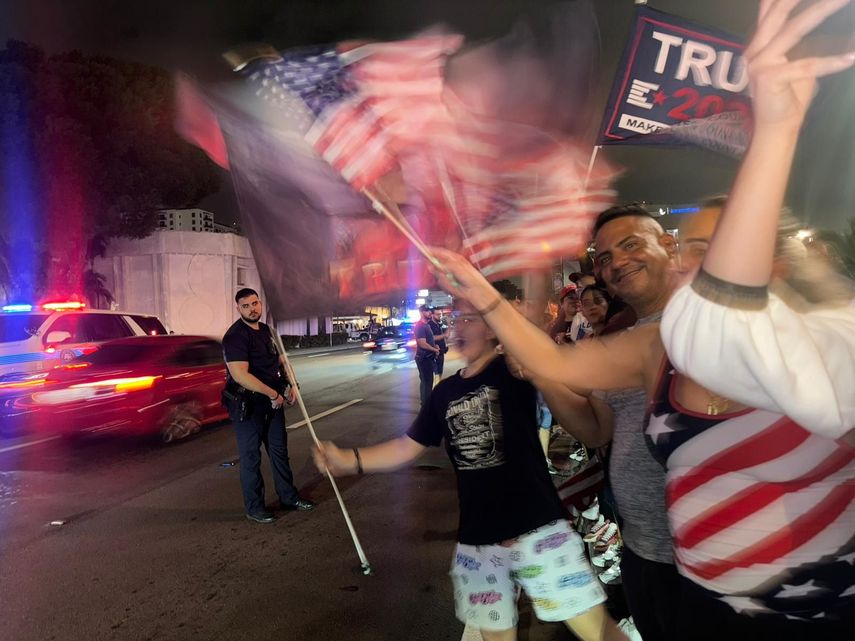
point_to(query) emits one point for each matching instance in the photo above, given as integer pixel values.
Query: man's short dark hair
(245, 293)
(621, 211)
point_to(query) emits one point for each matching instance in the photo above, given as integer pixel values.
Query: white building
(187, 278)
(186, 220)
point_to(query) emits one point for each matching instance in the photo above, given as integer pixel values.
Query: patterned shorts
(548, 563)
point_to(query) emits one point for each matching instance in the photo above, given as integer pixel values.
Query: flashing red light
(61, 307)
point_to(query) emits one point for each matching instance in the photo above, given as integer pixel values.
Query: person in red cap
(570, 325)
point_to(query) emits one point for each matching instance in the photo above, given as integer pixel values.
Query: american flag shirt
(761, 510)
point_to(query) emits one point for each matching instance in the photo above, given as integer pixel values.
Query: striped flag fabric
(580, 490)
(758, 507)
(549, 216)
(398, 105)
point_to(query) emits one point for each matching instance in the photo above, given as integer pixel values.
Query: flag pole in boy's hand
(292, 377)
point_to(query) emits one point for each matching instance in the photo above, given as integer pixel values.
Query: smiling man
(634, 257)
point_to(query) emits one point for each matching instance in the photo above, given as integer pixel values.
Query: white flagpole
(594, 153)
(292, 377)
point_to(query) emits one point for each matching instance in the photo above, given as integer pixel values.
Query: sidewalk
(308, 351)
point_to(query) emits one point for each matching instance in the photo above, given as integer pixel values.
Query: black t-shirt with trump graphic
(490, 432)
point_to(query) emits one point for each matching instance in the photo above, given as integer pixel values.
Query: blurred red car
(166, 385)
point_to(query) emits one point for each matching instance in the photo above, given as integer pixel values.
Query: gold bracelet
(491, 307)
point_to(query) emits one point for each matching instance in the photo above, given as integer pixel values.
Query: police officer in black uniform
(255, 395)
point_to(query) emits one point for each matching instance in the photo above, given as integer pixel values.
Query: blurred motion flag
(543, 211)
(311, 130)
(197, 123)
(398, 106)
(679, 83)
(511, 193)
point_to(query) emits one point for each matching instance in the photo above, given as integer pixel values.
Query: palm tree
(843, 244)
(96, 290)
(96, 248)
(94, 283)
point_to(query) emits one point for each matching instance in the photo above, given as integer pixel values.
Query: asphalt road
(153, 544)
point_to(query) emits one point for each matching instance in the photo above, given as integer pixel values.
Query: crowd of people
(725, 388)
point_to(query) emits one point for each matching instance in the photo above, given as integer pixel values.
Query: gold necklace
(716, 404)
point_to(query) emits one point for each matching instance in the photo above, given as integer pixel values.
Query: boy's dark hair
(244, 293)
(621, 211)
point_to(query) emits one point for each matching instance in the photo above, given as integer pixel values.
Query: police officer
(426, 353)
(257, 382)
(440, 337)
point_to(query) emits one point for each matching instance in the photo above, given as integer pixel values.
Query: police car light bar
(60, 307)
(17, 308)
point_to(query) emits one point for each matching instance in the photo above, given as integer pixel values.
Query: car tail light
(369, 344)
(74, 366)
(411, 343)
(85, 391)
(27, 383)
(133, 384)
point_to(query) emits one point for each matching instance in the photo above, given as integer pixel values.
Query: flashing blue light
(685, 210)
(17, 308)
(21, 199)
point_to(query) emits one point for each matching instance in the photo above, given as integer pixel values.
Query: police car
(36, 338)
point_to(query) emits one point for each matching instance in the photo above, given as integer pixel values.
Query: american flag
(302, 83)
(384, 106)
(398, 106)
(580, 490)
(547, 214)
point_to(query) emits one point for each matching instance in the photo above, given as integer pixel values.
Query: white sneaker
(608, 533)
(609, 555)
(592, 512)
(578, 455)
(601, 521)
(596, 530)
(627, 626)
(612, 575)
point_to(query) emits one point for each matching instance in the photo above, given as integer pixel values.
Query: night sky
(191, 34)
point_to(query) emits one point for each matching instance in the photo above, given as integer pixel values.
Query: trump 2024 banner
(678, 82)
